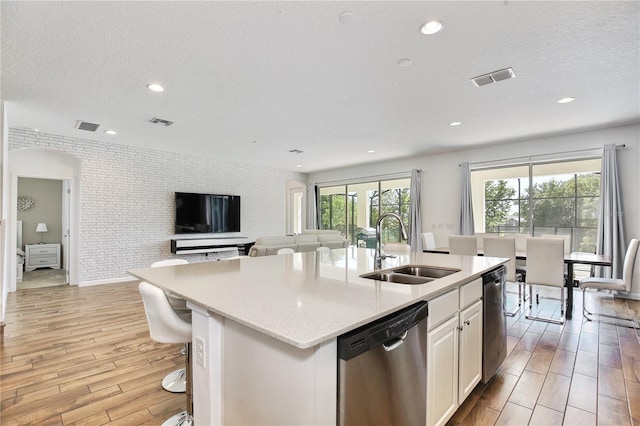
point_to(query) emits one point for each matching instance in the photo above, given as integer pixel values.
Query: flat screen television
(207, 213)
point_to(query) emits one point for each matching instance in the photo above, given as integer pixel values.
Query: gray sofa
(309, 240)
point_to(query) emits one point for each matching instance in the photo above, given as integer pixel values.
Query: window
(353, 209)
(560, 198)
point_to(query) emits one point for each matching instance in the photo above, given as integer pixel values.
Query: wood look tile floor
(75, 355)
(580, 373)
(83, 355)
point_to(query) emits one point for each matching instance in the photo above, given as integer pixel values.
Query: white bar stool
(166, 326)
(175, 381)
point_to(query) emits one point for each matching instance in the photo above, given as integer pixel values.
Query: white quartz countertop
(304, 299)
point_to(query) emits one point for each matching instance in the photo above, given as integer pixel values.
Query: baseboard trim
(632, 296)
(109, 281)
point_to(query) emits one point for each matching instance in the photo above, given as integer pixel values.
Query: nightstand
(42, 256)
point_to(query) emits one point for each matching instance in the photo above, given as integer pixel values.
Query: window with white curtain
(560, 198)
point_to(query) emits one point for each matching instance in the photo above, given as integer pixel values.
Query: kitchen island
(265, 329)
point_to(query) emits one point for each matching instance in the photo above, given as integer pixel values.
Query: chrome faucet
(379, 256)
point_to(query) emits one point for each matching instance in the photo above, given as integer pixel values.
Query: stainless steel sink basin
(424, 271)
(396, 278)
(410, 274)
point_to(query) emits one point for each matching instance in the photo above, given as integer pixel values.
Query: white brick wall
(127, 199)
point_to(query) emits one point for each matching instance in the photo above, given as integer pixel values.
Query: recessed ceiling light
(111, 132)
(371, 151)
(455, 123)
(405, 62)
(154, 87)
(566, 100)
(298, 165)
(431, 27)
(346, 18)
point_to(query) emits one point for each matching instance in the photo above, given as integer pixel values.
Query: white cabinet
(470, 350)
(442, 372)
(41, 256)
(454, 350)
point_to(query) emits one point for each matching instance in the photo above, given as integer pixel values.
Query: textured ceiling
(290, 75)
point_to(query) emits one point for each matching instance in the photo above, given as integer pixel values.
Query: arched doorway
(48, 164)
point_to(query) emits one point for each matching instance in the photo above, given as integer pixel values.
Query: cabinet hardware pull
(468, 322)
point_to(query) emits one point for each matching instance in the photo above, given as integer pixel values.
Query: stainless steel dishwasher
(494, 338)
(382, 376)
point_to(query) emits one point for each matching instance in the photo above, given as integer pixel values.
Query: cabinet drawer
(43, 260)
(34, 251)
(442, 307)
(470, 292)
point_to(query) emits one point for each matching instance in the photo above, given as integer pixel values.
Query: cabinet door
(470, 349)
(442, 372)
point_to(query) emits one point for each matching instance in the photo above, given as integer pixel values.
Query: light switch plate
(201, 355)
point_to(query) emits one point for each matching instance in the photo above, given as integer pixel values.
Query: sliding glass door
(354, 208)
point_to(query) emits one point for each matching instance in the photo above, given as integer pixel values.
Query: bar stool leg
(185, 418)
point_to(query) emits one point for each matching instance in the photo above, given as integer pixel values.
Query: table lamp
(42, 228)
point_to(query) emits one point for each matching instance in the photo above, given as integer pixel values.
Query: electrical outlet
(201, 355)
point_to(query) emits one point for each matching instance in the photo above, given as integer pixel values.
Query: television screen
(207, 213)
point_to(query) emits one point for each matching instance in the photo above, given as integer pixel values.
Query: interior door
(295, 213)
(66, 226)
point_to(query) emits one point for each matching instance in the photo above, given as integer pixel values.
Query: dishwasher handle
(396, 342)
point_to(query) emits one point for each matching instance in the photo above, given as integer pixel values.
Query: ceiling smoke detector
(493, 77)
(296, 151)
(156, 120)
(89, 127)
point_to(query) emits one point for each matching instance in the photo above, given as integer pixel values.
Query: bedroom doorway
(42, 231)
(45, 164)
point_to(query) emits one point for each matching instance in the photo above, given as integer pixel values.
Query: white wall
(441, 175)
(127, 199)
(4, 209)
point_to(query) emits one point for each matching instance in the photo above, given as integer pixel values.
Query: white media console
(210, 245)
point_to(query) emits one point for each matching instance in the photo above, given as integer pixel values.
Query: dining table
(570, 259)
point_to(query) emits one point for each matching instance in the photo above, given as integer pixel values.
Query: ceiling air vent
(90, 127)
(156, 120)
(493, 77)
(296, 151)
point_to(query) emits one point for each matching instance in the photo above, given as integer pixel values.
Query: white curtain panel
(312, 209)
(611, 238)
(415, 215)
(466, 206)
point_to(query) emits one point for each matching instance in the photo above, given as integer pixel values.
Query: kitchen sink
(410, 274)
(425, 271)
(396, 278)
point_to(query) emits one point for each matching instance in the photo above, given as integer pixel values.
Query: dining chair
(428, 241)
(545, 267)
(396, 248)
(465, 245)
(565, 238)
(567, 250)
(506, 247)
(480, 236)
(521, 264)
(630, 269)
(286, 250)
